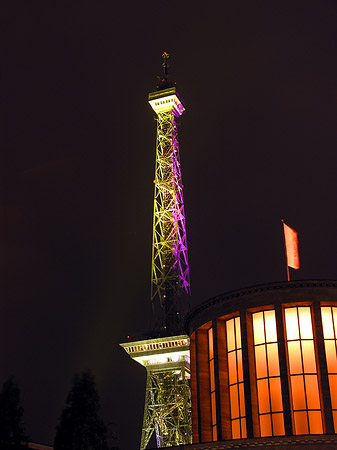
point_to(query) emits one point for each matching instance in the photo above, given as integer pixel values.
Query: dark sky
(257, 141)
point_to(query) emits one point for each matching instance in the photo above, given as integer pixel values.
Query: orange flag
(291, 241)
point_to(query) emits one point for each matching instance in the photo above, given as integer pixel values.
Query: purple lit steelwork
(170, 283)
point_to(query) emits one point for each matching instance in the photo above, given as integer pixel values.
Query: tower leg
(167, 408)
(148, 419)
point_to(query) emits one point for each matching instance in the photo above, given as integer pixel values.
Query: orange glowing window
(304, 387)
(212, 382)
(329, 321)
(235, 373)
(267, 369)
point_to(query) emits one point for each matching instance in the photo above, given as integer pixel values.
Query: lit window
(267, 370)
(235, 372)
(329, 319)
(305, 397)
(212, 381)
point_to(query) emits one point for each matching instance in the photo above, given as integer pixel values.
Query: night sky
(257, 143)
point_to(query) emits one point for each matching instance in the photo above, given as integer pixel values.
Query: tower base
(167, 409)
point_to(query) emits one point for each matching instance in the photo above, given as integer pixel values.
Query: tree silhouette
(12, 434)
(80, 426)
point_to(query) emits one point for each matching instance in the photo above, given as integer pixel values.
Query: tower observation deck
(166, 357)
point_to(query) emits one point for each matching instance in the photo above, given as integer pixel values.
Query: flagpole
(285, 249)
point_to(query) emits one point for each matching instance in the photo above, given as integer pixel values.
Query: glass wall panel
(234, 399)
(263, 396)
(236, 429)
(232, 368)
(304, 387)
(240, 368)
(243, 427)
(333, 391)
(297, 388)
(304, 315)
(331, 355)
(270, 329)
(230, 335)
(242, 399)
(309, 359)
(213, 407)
(214, 433)
(210, 343)
(278, 424)
(292, 327)
(315, 422)
(211, 375)
(238, 332)
(311, 384)
(261, 361)
(267, 371)
(273, 361)
(265, 425)
(275, 394)
(295, 363)
(301, 422)
(258, 325)
(329, 322)
(235, 373)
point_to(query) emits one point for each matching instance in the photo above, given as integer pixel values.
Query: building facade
(264, 367)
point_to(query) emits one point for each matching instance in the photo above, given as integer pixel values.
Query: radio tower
(166, 356)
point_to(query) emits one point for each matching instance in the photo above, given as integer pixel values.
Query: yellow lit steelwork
(170, 271)
(167, 409)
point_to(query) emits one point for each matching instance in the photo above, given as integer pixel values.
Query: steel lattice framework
(166, 357)
(167, 411)
(169, 405)
(170, 270)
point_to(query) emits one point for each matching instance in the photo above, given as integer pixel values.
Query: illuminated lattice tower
(166, 357)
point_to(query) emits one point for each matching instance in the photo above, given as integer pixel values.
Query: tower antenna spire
(165, 64)
(164, 79)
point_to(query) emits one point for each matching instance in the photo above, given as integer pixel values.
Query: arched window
(236, 381)
(304, 388)
(267, 371)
